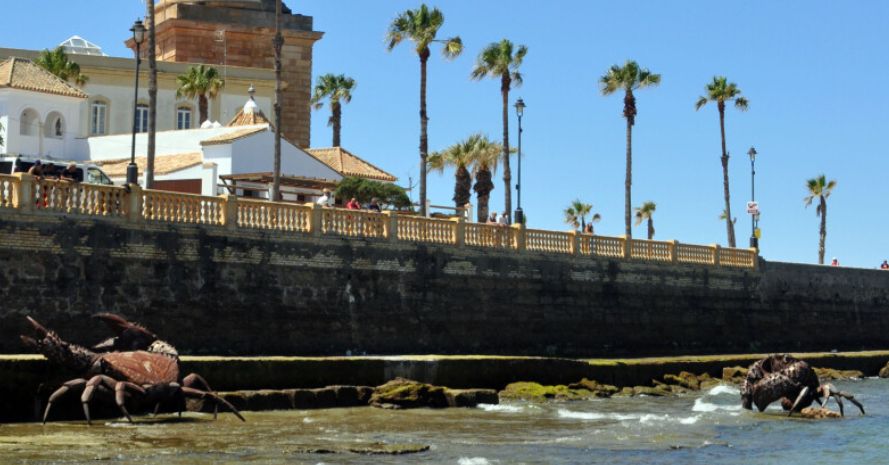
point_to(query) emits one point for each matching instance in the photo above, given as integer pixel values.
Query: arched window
(183, 117)
(141, 117)
(29, 122)
(55, 125)
(98, 118)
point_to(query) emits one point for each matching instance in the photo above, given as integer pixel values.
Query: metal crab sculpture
(782, 377)
(147, 368)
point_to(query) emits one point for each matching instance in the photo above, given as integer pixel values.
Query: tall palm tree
(278, 44)
(338, 89)
(498, 61)
(152, 96)
(421, 26)
(56, 62)
(722, 91)
(202, 82)
(819, 187)
(629, 77)
(646, 213)
(575, 214)
(485, 155)
(461, 156)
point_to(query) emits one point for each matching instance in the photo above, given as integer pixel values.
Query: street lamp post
(138, 31)
(519, 214)
(754, 241)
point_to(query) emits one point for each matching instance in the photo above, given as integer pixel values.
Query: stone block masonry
(216, 290)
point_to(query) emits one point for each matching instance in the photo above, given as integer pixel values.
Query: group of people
(327, 199)
(41, 170)
(495, 218)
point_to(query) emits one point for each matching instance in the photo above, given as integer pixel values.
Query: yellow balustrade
(656, 251)
(9, 186)
(353, 223)
(490, 235)
(27, 193)
(697, 254)
(538, 240)
(260, 214)
(419, 229)
(175, 207)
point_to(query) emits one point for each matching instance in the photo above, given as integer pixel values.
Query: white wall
(256, 154)
(13, 102)
(166, 143)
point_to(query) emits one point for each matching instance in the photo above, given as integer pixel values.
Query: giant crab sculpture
(148, 368)
(789, 380)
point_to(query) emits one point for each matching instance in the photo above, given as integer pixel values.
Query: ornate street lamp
(519, 214)
(754, 217)
(138, 31)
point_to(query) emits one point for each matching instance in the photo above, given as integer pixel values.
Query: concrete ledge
(27, 379)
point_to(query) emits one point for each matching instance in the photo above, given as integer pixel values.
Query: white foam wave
(500, 408)
(644, 418)
(723, 389)
(702, 405)
(473, 461)
(689, 420)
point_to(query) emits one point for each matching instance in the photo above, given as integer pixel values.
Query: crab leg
(61, 392)
(838, 394)
(120, 390)
(799, 398)
(195, 380)
(192, 392)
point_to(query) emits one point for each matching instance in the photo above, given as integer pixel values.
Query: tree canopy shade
(722, 91)
(421, 27)
(820, 188)
(56, 62)
(202, 82)
(646, 213)
(364, 190)
(629, 77)
(338, 90)
(501, 60)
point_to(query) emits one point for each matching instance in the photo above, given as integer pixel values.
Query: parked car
(86, 172)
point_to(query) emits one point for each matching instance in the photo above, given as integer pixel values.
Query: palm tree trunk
(482, 189)
(507, 174)
(650, 228)
(202, 107)
(823, 232)
(462, 187)
(278, 43)
(336, 119)
(152, 97)
(729, 224)
(629, 181)
(424, 139)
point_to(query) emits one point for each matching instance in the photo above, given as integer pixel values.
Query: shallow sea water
(707, 427)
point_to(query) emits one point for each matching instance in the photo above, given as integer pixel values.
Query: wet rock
(303, 399)
(325, 397)
(650, 391)
(376, 448)
(734, 375)
(598, 389)
(831, 374)
(537, 392)
(405, 393)
(818, 413)
(884, 372)
(267, 399)
(471, 397)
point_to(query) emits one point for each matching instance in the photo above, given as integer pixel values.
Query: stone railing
(134, 204)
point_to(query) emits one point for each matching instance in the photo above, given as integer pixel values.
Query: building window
(58, 127)
(98, 114)
(55, 126)
(141, 118)
(183, 118)
(29, 123)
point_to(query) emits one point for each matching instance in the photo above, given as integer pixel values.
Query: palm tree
(498, 61)
(460, 156)
(202, 82)
(337, 89)
(421, 26)
(821, 188)
(152, 97)
(722, 91)
(56, 62)
(485, 155)
(277, 44)
(628, 78)
(645, 213)
(575, 215)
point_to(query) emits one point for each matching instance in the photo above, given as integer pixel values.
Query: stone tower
(240, 33)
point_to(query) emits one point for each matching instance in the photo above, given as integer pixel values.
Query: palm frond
(700, 103)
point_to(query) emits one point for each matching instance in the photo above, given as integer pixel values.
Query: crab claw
(29, 342)
(825, 391)
(38, 328)
(799, 398)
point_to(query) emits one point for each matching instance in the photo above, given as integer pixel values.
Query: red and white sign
(753, 208)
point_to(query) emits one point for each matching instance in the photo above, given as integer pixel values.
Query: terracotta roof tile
(163, 164)
(19, 73)
(348, 164)
(235, 135)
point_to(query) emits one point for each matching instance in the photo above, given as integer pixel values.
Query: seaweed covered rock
(406, 393)
(831, 374)
(471, 397)
(596, 388)
(819, 413)
(537, 392)
(884, 372)
(691, 381)
(734, 375)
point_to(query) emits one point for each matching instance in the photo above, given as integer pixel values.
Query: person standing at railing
(353, 204)
(71, 173)
(374, 205)
(39, 171)
(884, 265)
(326, 199)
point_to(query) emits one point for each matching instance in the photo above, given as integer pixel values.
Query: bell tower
(240, 33)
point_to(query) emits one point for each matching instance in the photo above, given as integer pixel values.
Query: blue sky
(814, 72)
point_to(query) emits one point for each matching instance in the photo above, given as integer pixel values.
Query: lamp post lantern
(754, 217)
(138, 31)
(519, 214)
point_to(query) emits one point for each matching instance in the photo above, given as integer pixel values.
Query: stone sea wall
(211, 290)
